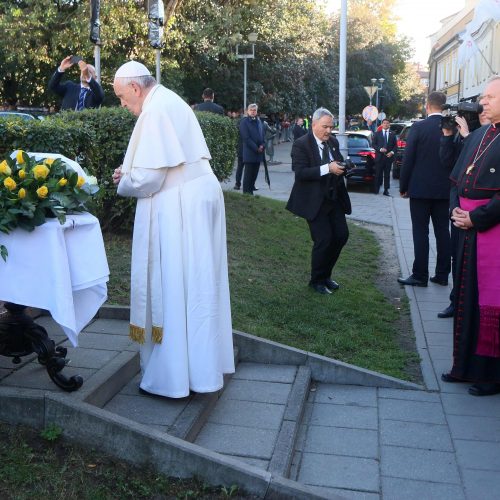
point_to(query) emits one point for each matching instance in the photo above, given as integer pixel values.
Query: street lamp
(252, 38)
(375, 83)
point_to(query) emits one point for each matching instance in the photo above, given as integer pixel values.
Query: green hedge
(98, 139)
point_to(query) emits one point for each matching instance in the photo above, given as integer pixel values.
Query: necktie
(325, 156)
(385, 137)
(81, 98)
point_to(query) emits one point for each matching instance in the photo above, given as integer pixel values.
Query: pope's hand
(117, 175)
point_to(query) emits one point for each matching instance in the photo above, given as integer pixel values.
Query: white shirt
(324, 169)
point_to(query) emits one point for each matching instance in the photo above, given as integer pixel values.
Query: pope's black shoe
(322, 289)
(331, 285)
(439, 281)
(411, 281)
(448, 312)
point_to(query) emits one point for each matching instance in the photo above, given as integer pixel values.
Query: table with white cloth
(61, 268)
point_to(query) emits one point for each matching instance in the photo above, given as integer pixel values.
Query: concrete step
(258, 417)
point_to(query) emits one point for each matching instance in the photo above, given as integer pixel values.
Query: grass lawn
(37, 465)
(269, 263)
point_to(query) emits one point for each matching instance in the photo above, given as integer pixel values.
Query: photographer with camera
(319, 195)
(455, 130)
(475, 212)
(87, 93)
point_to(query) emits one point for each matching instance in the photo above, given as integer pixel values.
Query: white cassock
(180, 309)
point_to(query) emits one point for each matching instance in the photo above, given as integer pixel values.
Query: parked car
(401, 145)
(397, 127)
(362, 156)
(14, 115)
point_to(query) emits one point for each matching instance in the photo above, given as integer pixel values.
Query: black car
(401, 144)
(362, 158)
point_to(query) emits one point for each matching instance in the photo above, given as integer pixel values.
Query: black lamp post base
(20, 336)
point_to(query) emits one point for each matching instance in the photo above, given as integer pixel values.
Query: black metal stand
(20, 336)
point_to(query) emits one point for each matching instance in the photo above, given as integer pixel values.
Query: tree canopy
(295, 68)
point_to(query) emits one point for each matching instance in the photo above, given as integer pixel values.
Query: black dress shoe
(448, 377)
(484, 389)
(386, 193)
(438, 281)
(411, 281)
(448, 312)
(237, 187)
(320, 288)
(331, 285)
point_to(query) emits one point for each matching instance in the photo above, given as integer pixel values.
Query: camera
(468, 110)
(348, 166)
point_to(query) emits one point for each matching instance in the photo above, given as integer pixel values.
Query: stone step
(258, 417)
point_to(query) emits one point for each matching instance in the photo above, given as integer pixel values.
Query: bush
(98, 139)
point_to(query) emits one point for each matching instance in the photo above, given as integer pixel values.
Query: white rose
(91, 180)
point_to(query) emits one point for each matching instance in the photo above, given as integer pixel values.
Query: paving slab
(348, 494)
(393, 488)
(481, 485)
(266, 373)
(360, 417)
(102, 341)
(339, 472)
(411, 411)
(430, 397)
(108, 326)
(254, 390)
(89, 358)
(346, 395)
(464, 404)
(238, 441)
(478, 455)
(342, 441)
(248, 414)
(475, 428)
(415, 435)
(424, 465)
(147, 409)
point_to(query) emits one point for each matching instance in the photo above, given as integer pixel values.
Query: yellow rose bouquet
(32, 191)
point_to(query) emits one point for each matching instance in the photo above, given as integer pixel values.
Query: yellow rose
(40, 172)
(62, 182)
(21, 174)
(4, 168)
(10, 183)
(21, 193)
(19, 157)
(42, 192)
(80, 182)
(49, 161)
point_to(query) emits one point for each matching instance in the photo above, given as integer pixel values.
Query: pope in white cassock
(180, 310)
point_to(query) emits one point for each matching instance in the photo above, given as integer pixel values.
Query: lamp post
(377, 83)
(252, 38)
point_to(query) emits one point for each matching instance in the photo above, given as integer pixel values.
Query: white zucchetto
(132, 69)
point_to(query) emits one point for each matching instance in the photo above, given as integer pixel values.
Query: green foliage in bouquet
(32, 191)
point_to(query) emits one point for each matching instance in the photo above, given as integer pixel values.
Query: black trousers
(383, 172)
(250, 176)
(239, 172)
(422, 211)
(329, 233)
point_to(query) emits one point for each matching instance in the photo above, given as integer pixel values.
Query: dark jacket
(252, 137)
(310, 188)
(379, 142)
(210, 107)
(298, 131)
(422, 173)
(70, 92)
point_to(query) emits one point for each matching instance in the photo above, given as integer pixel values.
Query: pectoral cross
(469, 169)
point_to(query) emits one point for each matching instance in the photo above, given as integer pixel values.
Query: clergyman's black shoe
(411, 281)
(237, 187)
(386, 193)
(483, 389)
(438, 281)
(448, 312)
(320, 288)
(448, 377)
(331, 285)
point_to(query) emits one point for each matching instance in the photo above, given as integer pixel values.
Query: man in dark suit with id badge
(320, 196)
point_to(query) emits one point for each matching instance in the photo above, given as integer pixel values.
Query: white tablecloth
(60, 268)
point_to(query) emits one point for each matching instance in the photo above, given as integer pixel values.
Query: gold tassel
(137, 334)
(157, 334)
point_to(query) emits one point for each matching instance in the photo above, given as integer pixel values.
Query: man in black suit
(425, 180)
(77, 96)
(208, 103)
(319, 195)
(384, 143)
